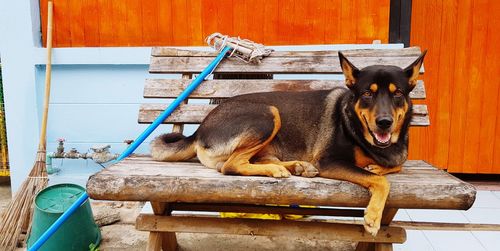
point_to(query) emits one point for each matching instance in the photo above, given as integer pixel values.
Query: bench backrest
(237, 77)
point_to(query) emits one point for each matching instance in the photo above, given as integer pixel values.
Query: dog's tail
(173, 147)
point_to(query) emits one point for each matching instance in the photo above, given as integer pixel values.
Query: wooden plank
(276, 65)
(446, 79)
(276, 22)
(425, 225)
(62, 21)
(442, 226)
(76, 24)
(91, 25)
(171, 88)
(107, 22)
(490, 96)
(141, 179)
(180, 23)
(473, 124)
(150, 28)
(195, 113)
(135, 21)
(270, 22)
(165, 31)
(404, 52)
(245, 208)
(43, 22)
(348, 20)
(306, 230)
(195, 10)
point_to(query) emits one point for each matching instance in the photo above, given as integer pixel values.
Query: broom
(19, 211)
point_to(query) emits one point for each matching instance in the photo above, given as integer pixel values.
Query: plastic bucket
(77, 233)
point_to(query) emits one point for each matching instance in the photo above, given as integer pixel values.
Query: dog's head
(381, 98)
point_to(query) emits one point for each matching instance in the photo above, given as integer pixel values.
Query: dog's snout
(384, 122)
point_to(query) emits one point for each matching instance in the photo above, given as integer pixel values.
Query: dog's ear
(350, 71)
(413, 70)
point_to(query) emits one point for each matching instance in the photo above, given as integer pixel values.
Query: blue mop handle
(57, 224)
(196, 82)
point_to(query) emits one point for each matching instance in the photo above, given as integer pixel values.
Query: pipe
(196, 82)
(48, 164)
(57, 224)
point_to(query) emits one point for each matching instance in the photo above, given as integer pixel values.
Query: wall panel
(462, 84)
(92, 23)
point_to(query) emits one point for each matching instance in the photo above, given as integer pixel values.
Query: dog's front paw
(305, 169)
(279, 172)
(372, 221)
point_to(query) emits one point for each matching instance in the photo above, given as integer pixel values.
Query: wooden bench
(188, 186)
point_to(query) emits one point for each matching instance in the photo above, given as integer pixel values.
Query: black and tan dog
(356, 134)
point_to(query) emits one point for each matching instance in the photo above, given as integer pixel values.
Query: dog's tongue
(383, 137)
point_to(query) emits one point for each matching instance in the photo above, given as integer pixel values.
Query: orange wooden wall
(462, 82)
(91, 23)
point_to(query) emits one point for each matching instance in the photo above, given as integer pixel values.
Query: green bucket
(77, 233)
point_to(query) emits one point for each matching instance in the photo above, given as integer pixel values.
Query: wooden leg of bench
(154, 241)
(168, 241)
(383, 247)
(161, 240)
(387, 217)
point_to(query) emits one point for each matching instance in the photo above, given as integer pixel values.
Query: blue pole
(196, 82)
(57, 224)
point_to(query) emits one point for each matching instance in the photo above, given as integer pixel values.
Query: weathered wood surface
(297, 229)
(195, 113)
(444, 226)
(405, 52)
(423, 225)
(419, 185)
(276, 65)
(171, 88)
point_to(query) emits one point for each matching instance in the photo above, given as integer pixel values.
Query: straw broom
(18, 213)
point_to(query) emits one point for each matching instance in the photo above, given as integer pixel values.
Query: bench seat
(419, 185)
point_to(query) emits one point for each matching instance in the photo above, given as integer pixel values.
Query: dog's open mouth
(381, 139)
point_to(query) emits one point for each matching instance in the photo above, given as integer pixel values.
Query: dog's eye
(367, 94)
(398, 94)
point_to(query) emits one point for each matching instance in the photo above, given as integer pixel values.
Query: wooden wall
(93, 23)
(462, 84)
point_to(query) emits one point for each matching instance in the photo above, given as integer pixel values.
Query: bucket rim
(82, 189)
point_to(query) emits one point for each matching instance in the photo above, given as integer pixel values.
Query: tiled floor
(486, 210)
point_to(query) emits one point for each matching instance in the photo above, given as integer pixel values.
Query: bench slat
(296, 229)
(411, 51)
(195, 113)
(271, 65)
(171, 88)
(142, 179)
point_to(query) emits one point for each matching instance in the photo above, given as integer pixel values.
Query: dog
(356, 134)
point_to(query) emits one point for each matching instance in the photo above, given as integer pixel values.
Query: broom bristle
(19, 211)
